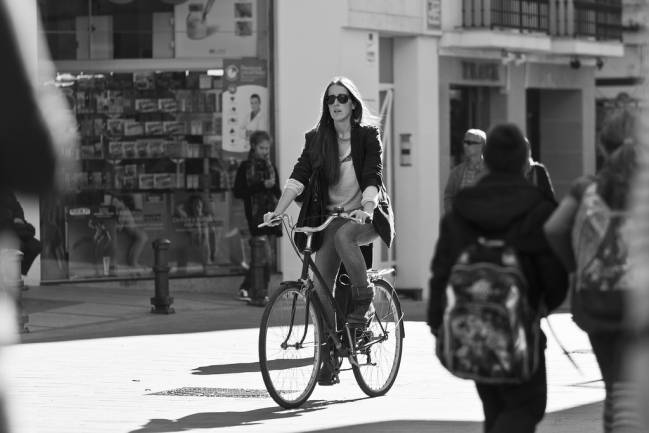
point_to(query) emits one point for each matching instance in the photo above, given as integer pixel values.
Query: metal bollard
(258, 270)
(12, 283)
(161, 301)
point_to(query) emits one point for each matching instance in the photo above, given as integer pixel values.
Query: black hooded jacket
(505, 206)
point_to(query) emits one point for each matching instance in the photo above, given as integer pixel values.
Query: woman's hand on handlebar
(361, 216)
(271, 219)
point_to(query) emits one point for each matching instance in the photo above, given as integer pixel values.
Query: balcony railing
(523, 15)
(598, 19)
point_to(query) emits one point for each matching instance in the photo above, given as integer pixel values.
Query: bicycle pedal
(333, 380)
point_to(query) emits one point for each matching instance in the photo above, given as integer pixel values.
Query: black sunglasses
(469, 142)
(341, 97)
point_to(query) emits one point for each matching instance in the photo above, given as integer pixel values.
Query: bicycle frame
(309, 264)
(331, 328)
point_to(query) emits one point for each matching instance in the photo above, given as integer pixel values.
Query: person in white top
(345, 146)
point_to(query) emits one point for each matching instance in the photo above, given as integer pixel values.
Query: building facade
(429, 68)
(449, 65)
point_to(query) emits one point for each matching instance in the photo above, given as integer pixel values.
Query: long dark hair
(618, 138)
(255, 138)
(324, 150)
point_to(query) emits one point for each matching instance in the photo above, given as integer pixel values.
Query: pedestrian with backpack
(587, 231)
(493, 277)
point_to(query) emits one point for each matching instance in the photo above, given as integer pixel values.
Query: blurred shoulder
(579, 185)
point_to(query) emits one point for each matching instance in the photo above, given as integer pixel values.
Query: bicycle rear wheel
(289, 345)
(379, 346)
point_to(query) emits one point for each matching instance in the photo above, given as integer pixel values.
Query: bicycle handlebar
(330, 218)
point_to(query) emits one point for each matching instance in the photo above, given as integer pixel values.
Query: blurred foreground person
(589, 232)
(638, 360)
(493, 278)
(35, 126)
(14, 224)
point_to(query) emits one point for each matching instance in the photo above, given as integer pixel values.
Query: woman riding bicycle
(345, 146)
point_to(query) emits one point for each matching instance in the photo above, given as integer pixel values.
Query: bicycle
(294, 329)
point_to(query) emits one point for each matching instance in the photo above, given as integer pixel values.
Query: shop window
(102, 29)
(157, 159)
(141, 29)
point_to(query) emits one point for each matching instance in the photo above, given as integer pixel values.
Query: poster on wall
(210, 28)
(245, 102)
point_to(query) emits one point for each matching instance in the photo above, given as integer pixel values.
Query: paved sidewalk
(77, 312)
(96, 360)
(70, 312)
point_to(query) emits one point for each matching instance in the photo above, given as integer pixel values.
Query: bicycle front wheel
(379, 346)
(290, 338)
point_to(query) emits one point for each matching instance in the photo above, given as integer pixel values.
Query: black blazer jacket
(366, 150)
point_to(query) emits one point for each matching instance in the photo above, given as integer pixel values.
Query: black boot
(361, 310)
(328, 374)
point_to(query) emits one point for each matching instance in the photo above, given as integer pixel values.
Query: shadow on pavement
(210, 420)
(240, 367)
(404, 426)
(251, 367)
(556, 421)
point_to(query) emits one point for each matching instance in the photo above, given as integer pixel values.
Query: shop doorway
(471, 107)
(554, 129)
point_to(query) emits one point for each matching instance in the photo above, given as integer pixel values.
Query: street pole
(161, 301)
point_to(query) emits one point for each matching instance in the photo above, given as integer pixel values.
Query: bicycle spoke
(380, 353)
(289, 348)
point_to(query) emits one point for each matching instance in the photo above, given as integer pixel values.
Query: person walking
(468, 172)
(344, 151)
(503, 205)
(607, 330)
(257, 184)
(126, 223)
(537, 174)
(13, 222)
(200, 223)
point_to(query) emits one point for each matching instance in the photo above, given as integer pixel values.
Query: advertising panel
(209, 28)
(245, 102)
